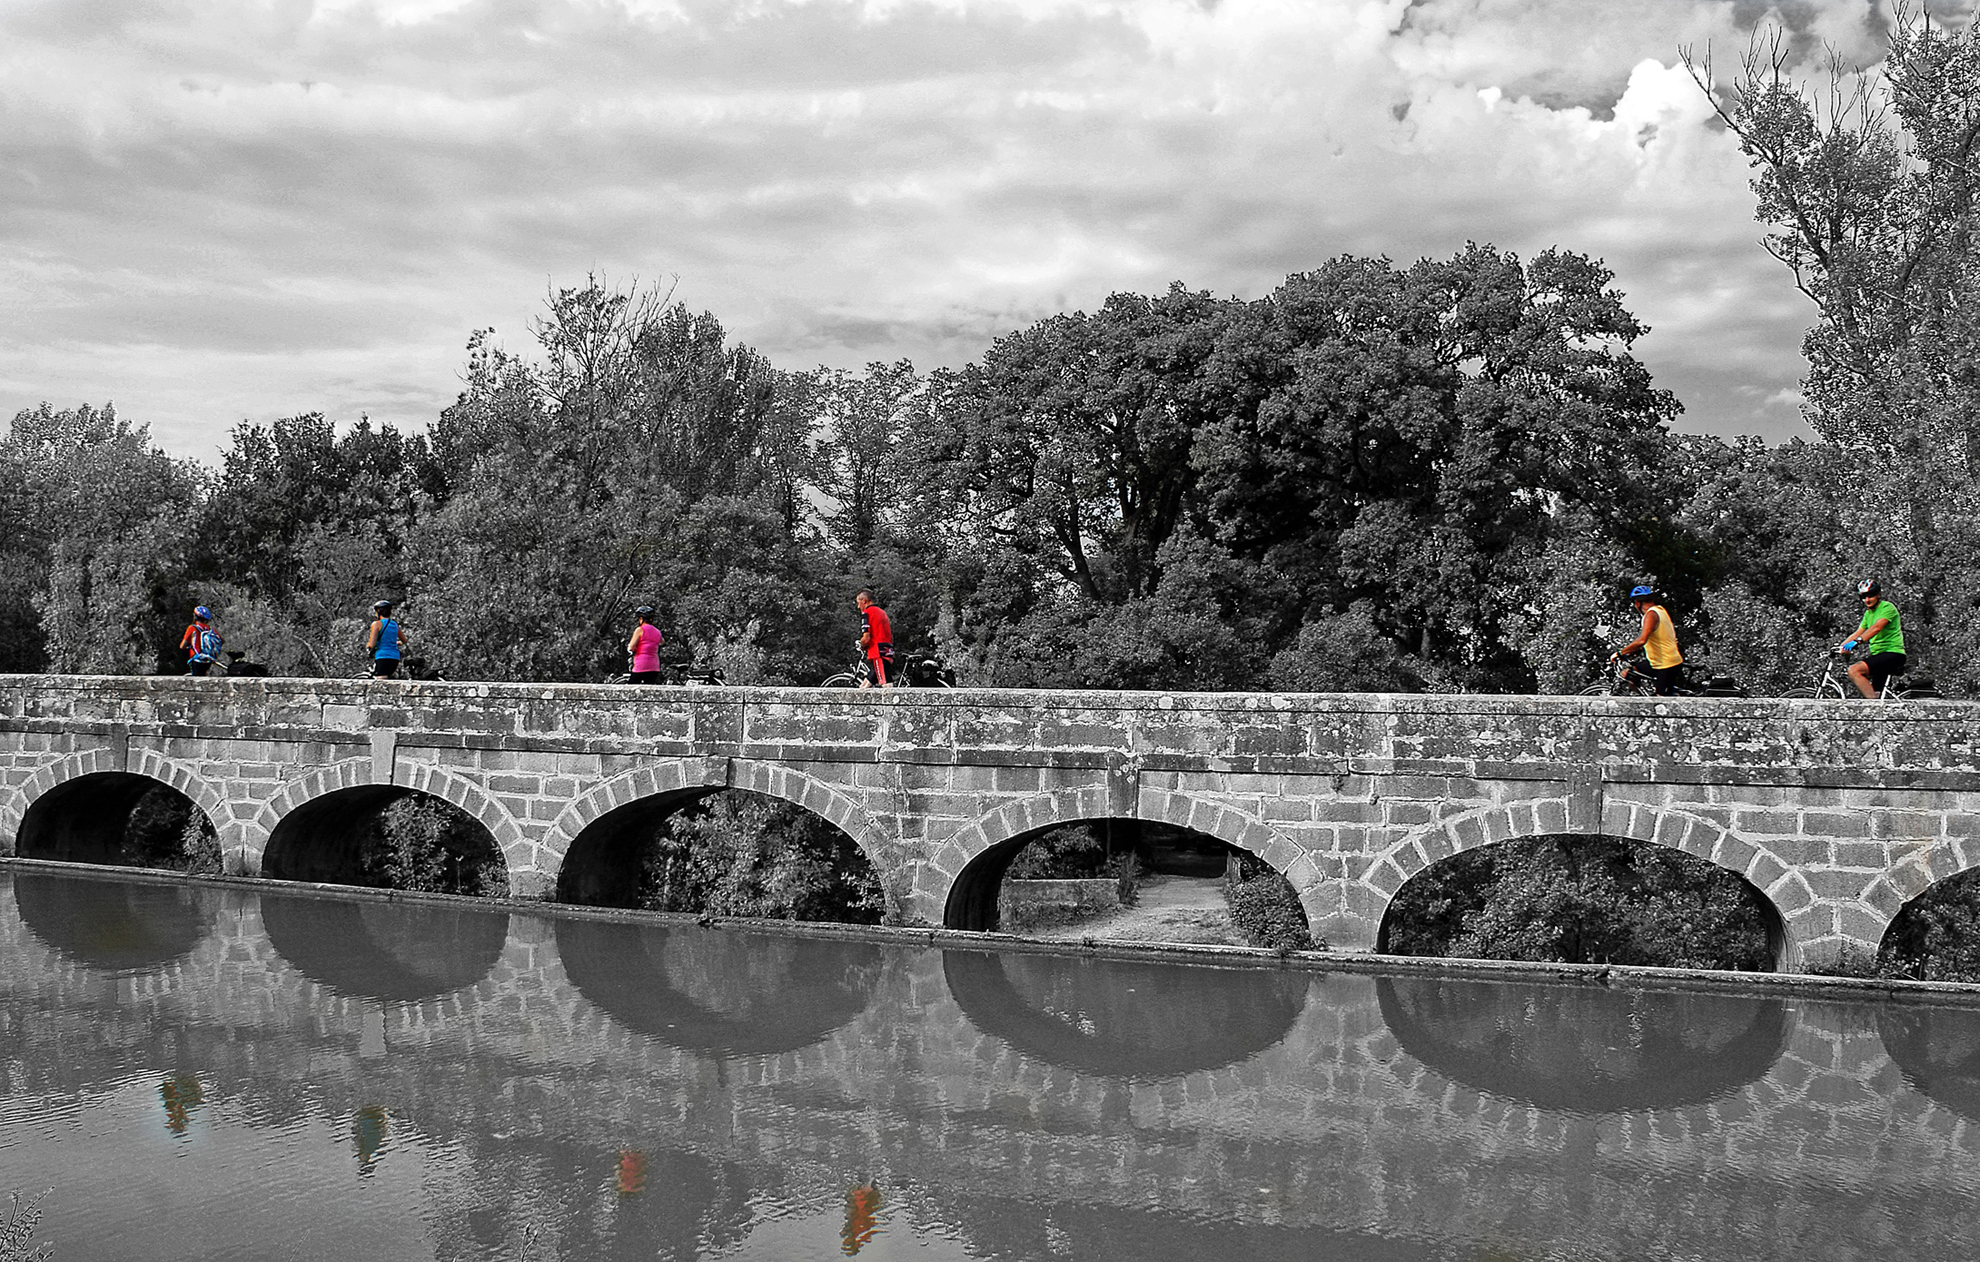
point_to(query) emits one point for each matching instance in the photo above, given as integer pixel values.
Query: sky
(223, 210)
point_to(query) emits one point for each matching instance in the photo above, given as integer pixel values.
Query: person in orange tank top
(1658, 640)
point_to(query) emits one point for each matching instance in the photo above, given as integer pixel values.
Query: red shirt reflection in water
(631, 1180)
(862, 1207)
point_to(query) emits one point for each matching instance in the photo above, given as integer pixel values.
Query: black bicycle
(1630, 677)
(677, 673)
(923, 668)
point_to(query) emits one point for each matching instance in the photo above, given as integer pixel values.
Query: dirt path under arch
(1171, 909)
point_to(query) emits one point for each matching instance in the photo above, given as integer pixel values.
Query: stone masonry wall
(1839, 812)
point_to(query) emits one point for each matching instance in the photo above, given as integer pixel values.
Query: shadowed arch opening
(1584, 900)
(111, 925)
(123, 818)
(1124, 1018)
(715, 990)
(391, 952)
(1585, 1049)
(1075, 877)
(386, 837)
(1935, 937)
(728, 852)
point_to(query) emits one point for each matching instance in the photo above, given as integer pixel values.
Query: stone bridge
(1598, 1122)
(1837, 812)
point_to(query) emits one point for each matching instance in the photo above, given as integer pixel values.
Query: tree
(303, 530)
(644, 461)
(106, 518)
(866, 419)
(1070, 442)
(1581, 900)
(1446, 437)
(1867, 184)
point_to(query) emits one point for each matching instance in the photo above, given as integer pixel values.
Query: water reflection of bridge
(1309, 1106)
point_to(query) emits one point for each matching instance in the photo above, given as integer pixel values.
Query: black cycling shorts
(645, 677)
(385, 668)
(1666, 681)
(198, 668)
(1882, 667)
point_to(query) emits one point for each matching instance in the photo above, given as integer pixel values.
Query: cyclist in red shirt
(876, 640)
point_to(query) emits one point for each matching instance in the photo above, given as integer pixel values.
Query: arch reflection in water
(715, 990)
(387, 951)
(118, 926)
(1585, 1049)
(1937, 1050)
(1124, 1018)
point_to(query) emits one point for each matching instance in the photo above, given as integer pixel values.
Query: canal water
(199, 1073)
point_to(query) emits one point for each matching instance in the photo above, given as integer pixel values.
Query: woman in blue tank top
(386, 642)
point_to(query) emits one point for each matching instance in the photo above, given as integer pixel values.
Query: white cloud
(214, 210)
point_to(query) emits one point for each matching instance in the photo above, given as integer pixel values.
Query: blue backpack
(206, 645)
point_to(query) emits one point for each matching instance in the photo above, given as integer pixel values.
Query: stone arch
(946, 891)
(149, 765)
(1784, 888)
(356, 773)
(1924, 871)
(543, 862)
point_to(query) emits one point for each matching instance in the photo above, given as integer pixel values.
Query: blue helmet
(202, 613)
(1639, 591)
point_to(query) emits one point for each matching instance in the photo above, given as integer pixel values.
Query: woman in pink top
(645, 648)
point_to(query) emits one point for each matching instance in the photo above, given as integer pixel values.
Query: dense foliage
(1582, 900)
(1265, 911)
(741, 854)
(165, 830)
(425, 843)
(1933, 938)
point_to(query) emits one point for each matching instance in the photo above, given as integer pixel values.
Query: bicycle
(1834, 686)
(1623, 677)
(678, 674)
(1630, 677)
(411, 670)
(923, 669)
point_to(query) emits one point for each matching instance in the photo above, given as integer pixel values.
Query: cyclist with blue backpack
(201, 643)
(386, 642)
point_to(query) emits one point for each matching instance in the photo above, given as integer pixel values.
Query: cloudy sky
(213, 210)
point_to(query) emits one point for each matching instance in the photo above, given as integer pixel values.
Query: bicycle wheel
(844, 679)
(1595, 690)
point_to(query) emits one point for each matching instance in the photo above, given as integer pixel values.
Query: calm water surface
(221, 1074)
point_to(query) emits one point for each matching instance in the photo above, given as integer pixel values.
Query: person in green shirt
(1881, 635)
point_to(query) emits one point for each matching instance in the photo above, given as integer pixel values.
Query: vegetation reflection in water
(1586, 1049)
(344, 1078)
(112, 926)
